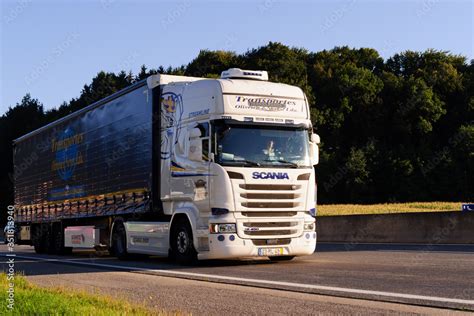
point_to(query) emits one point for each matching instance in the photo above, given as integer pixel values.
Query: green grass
(388, 208)
(34, 300)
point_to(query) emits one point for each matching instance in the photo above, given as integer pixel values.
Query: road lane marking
(267, 283)
(394, 244)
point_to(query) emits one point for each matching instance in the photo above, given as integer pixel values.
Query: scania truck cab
(238, 156)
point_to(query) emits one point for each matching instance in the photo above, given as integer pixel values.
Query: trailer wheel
(281, 258)
(57, 246)
(182, 247)
(41, 241)
(119, 241)
(38, 245)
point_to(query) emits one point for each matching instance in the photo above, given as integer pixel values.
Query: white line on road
(261, 282)
(397, 244)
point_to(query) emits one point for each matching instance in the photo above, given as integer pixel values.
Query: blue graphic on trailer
(68, 192)
(67, 156)
(171, 116)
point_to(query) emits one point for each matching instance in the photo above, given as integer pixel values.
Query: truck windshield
(255, 146)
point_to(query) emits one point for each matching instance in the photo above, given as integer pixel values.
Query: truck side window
(205, 149)
(204, 127)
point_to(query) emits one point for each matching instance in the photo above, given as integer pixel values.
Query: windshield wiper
(248, 162)
(295, 165)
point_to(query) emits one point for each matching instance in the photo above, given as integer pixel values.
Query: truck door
(190, 166)
(201, 182)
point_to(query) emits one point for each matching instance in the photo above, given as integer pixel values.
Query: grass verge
(30, 299)
(388, 208)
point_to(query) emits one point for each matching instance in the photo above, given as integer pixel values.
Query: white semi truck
(189, 167)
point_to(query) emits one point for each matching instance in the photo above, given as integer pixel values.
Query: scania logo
(270, 175)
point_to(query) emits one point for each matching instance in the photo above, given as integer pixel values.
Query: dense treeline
(400, 129)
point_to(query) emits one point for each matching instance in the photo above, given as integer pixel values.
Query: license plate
(270, 251)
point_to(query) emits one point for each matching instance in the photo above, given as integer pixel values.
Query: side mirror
(315, 138)
(194, 133)
(314, 148)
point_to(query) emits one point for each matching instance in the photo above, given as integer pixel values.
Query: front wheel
(119, 242)
(182, 246)
(281, 258)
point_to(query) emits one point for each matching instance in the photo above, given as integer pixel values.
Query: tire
(38, 247)
(119, 242)
(57, 242)
(41, 241)
(182, 246)
(282, 258)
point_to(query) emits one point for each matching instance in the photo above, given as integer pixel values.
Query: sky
(50, 49)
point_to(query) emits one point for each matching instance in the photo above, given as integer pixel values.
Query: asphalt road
(336, 279)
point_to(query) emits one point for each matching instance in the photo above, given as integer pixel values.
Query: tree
(400, 129)
(284, 64)
(211, 63)
(17, 121)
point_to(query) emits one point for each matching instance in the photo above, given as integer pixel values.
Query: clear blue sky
(52, 48)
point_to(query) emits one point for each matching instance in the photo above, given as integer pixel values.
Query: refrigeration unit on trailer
(173, 165)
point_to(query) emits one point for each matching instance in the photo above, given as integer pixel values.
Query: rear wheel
(281, 258)
(119, 241)
(41, 241)
(38, 247)
(182, 245)
(57, 242)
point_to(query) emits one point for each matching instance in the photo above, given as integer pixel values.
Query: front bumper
(244, 248)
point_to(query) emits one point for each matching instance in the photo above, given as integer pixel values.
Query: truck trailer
(186, 167)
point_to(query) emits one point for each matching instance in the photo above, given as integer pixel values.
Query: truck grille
(275, 197)
(269, 214)
(270, 232)
(262, 228)
(269, 211)
(271, 224)
(273, 187)
(269, 204)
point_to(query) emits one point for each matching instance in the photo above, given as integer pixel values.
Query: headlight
(309, 226)
(222, 228)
